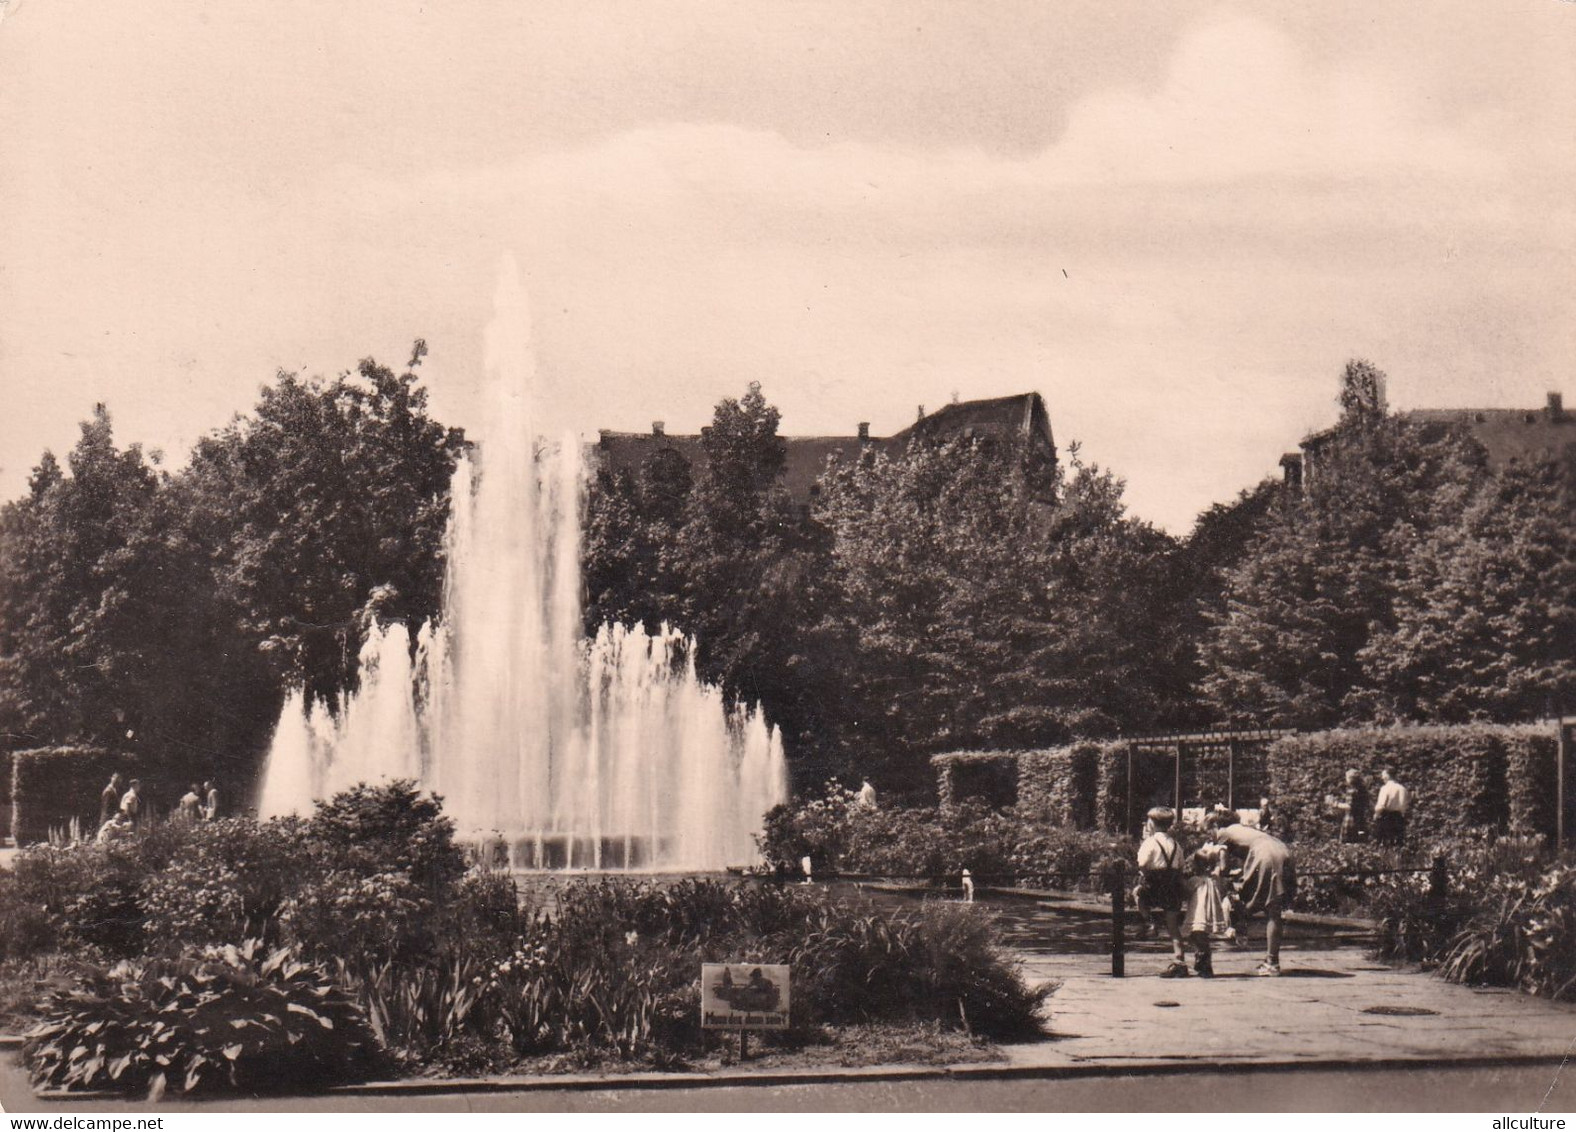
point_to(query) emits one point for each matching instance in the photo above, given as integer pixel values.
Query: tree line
(168, 612)
(958, 594)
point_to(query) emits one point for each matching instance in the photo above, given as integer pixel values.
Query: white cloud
(1237, 103)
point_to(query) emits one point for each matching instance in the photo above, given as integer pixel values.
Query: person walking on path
(1161, 889)
(1269, 879)
(1354, 809)
(210, 801)
(109, 799)
(1390, 809)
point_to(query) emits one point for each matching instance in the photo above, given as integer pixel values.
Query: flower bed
(178, 941)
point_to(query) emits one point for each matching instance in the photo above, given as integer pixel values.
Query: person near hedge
(1354, 809)
(1160, 888)
(210, 801)
(114, 827)
(131, 802)
(109, 799)
(1268, 881)
(190, 806)
(1390, 810)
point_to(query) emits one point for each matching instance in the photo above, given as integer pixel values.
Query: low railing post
(1118, 920)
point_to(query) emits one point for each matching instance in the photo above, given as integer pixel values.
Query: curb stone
(1137, 1066)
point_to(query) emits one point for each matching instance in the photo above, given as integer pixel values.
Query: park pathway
(1331, 1005)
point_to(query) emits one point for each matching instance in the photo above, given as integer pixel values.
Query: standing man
(1390, 810)
(1354, 809)
(210, 801)
(109, 799)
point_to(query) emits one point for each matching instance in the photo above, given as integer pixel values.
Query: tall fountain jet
(607, 753)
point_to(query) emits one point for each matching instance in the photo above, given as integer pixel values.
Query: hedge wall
(52, 785)
(5, 791)
(1058, 786)
(1530, 755)
(991, 776)
(1472, 776)
(1111, 800)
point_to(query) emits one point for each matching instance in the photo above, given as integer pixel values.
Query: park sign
(744, 996)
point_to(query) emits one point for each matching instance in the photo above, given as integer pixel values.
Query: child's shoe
(1267, 969)
(1204, 967)
(1177, 970)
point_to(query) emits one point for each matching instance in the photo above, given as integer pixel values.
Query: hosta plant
(227, 1019)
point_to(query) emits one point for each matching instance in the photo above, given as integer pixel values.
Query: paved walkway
(1328, 1007)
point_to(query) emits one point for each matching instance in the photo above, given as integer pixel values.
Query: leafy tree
(163, 612)
(979, 609)
(1320, 579)
(744, 566)
(1485, 621)
(1362, 396)
(329, 492)
(67, 636)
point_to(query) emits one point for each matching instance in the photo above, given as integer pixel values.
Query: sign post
(744, 997)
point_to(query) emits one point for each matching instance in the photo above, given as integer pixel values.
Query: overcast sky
(1175, 222)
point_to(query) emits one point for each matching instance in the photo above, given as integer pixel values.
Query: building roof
(1021, 413)
(1506, 434)
(806, 457)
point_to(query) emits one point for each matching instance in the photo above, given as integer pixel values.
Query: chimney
(922, 412)
(656, 428)
(1556, 406)
(864, 430)
(1291, 467)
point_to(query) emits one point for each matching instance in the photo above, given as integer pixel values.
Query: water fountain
(608, 753)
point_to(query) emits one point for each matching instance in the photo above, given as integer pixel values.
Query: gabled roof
(1022, 413)
(806, 457)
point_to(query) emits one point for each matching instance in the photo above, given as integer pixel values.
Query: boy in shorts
(1161, 887)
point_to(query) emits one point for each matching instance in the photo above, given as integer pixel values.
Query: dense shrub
(232, 1019)
(82, 895)
(1068, 858)
(226, 880)
(1521, 933)
(387, 828)
(996, 846)
(1501, 895)
(616, 967)
(944, 964)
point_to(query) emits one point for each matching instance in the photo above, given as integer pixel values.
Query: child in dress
(1207, 910)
